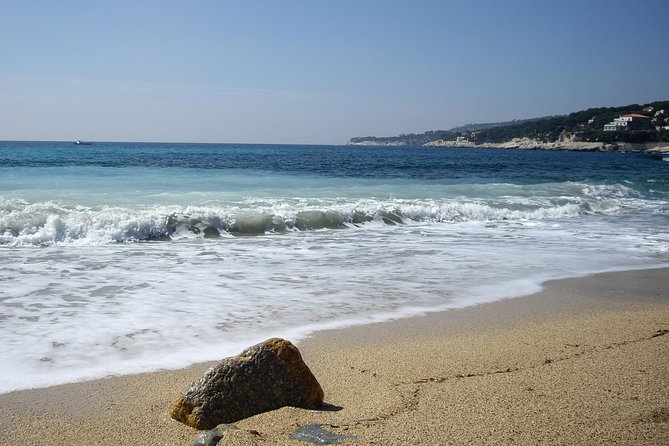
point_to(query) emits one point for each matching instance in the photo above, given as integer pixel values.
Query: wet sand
(586, 361)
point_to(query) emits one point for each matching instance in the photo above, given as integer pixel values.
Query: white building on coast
(633, 121)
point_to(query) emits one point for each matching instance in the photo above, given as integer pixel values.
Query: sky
(316, 71)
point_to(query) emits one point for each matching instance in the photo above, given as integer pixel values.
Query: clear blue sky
(313, 71)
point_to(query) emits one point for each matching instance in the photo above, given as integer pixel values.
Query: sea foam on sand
(582, 362)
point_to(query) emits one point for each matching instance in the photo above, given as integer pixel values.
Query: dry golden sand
(584, 362)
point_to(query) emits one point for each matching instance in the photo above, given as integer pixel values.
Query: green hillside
(585, 125)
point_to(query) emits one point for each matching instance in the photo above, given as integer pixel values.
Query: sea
(118, 258)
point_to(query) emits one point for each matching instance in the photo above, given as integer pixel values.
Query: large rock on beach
(263, 377)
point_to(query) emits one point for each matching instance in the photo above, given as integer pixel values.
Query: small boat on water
(82, 143)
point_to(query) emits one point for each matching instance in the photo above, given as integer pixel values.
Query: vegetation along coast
(630, 128)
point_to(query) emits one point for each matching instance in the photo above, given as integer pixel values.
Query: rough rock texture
(314, 433)
(263, 377)
(525, 143)
(214, 436)
(208, 438)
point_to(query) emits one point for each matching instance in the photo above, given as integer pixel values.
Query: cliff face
(369, 142)
(528, 143)
(533, 144)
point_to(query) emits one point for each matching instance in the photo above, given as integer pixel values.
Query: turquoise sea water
(125, 257)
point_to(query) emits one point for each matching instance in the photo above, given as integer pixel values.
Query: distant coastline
(533, 144)
(629, 128)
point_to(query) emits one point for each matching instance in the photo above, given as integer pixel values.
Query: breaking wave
(49, 223)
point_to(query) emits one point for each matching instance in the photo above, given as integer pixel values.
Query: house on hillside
(633, 121)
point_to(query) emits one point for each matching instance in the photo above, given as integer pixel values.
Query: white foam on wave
(75, 312)
(47, 223)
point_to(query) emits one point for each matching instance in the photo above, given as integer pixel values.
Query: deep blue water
(105, 249)
(444, 164)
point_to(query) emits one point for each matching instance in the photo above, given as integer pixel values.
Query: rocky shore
(533, 144)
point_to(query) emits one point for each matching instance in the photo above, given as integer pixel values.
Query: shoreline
(533, 144)
(461, 376)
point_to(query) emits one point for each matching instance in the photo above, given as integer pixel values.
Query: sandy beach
(586, 361)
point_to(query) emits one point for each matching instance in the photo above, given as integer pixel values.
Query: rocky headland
(628, 128)
(534, 144)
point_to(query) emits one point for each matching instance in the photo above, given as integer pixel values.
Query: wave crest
(48, 223)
